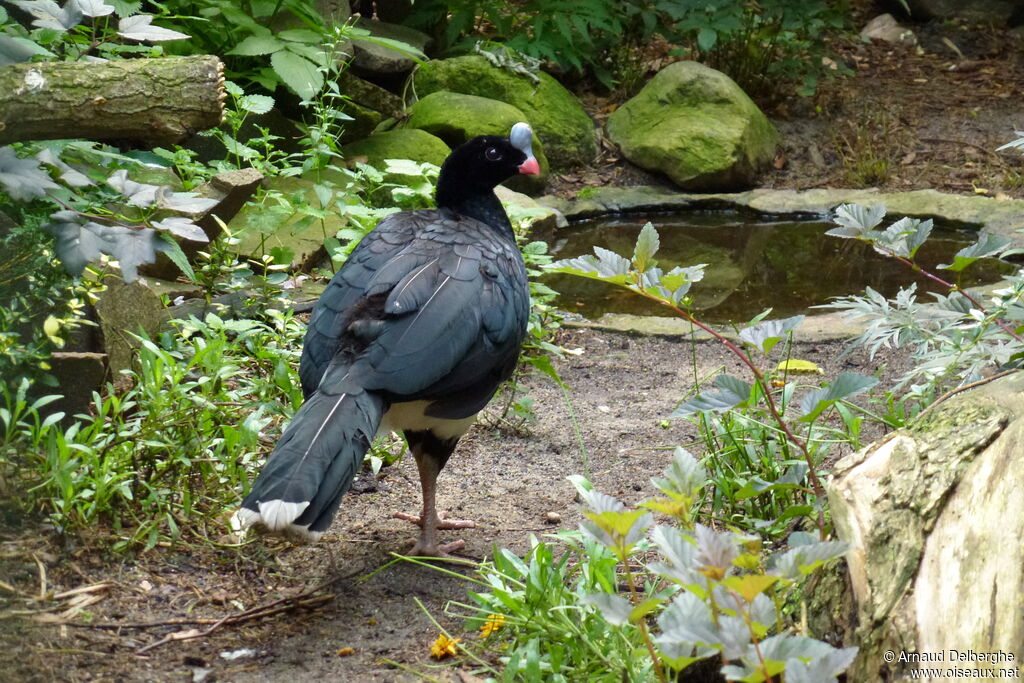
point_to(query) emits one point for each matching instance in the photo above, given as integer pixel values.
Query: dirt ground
(341, 610)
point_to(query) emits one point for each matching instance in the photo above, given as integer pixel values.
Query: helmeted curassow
(414, 334)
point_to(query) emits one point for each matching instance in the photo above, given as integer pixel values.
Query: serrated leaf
(167, 245)
(985, 246)
(797, 562)
(94, 8)
(67, 174)
(298, 73)
(731, 392)
(858, 217)
(822, 669)
(131, 248)
(647, 244)
(254, 46)
(749, 586)
(47, 14)
(765, 335)
(845, 386)
(75, 247)
(137, 194)
(16, 49)
(302, 35)
(182, 227)
(256, 104)
(23, 179)
(614, 608)
(138, 27)
(185, 202)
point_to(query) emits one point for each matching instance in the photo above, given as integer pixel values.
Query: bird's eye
(492, 154)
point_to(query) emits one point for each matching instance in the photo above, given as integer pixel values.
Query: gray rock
(231, 189)
(884, 27)
(125, 309)
(695, 125)
(933, 514)
(78, 374)
(371, 59)
(370, 96)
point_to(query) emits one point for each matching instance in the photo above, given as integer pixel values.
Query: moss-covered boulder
(456, 118)
(695, 125)
(556, 115)
(403, 143)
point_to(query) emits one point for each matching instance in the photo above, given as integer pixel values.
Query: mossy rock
(403, 143)
(556, 115)
(456, 118)
(695, 125)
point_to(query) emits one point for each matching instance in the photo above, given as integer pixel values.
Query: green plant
(577, 37)
(628, 600)
(957, 337)
(169, 454)
(763, 424)
(82, 29)
(760, 44)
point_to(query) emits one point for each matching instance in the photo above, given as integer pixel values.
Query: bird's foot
(442, 523)
(440, 552)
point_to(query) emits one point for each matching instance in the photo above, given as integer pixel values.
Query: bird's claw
(442, 523)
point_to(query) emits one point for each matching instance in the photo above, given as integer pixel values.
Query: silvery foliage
(640, 273)
(694, 624)
(48, 14)
(950, 339)
(82, 238)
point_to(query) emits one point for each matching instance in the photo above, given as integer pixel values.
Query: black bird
(414, 334)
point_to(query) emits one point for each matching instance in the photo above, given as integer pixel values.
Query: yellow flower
(444, 647)
(493, 623)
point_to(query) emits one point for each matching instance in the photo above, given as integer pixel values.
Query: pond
(788, 265)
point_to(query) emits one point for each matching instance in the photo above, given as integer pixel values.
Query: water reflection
(788, 266)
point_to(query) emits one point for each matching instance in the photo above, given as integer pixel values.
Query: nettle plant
(767, 436)
(633, 600)
(80, 29)
(103, 212)
(957, 337)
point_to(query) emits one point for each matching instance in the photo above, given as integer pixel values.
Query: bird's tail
(313, 465)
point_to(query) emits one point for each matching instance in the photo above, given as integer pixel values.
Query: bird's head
(488, 160)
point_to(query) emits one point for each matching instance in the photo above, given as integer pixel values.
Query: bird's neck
(483, 206)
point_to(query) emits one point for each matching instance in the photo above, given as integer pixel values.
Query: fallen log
(150, 101)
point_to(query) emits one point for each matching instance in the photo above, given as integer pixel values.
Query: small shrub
(625, 599)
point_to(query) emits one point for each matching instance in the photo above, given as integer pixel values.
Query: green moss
(556, 115)
(696, 126)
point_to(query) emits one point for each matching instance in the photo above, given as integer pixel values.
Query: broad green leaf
(647, 244)
(749, 586)
(138, 27)
(615, 609)
(302, 35)
(256, 104)
(986, 245)
(845, 386)
(298, 73)
(765, 335)
(858, 217)
(730, 393)
(167, 245)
